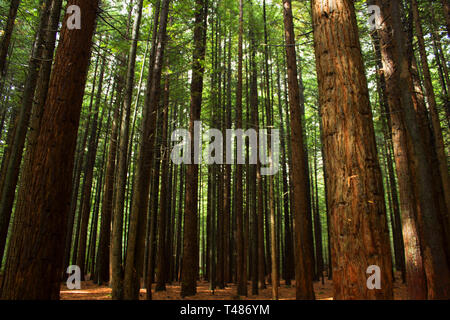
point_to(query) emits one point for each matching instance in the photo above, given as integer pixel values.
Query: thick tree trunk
(436, 268)
(45, 189)
(359, 232)
(7, 192)
(415, 275)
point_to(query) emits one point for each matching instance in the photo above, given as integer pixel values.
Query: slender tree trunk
(88, 178)
(303, 279)
(122, 164)
(227, 177)
(189, 271)
(317, 220)
(242, 285)
(108, 192)
(436, 125)
(136, 242)
(163, 210)
(254, 172)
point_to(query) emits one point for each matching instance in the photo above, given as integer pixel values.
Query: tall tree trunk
(274, 243)
(189, 271)
(303, 279)
(88, 178)
(431, 98)
(415, 275)
(288, 249)
(227, 176)
(45, 189)
(108, 192)
(16, 150)
(136, 242)
(163, 210)
(117, 282)
(242, 285)
(436, 268)
(356, 197)
(317, 220)
(254, 171)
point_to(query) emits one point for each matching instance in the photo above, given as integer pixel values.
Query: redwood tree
(358, 226)
(39, 227)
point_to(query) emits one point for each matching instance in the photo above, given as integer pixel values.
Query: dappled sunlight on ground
(90, 291)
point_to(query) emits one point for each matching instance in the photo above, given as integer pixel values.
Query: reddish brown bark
(359, 233)
(415, 274)
(40, 216)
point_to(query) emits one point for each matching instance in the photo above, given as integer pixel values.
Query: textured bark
(436, 268)
(300, 199)
(189, 272)
(11, 177)
(359, 232)
(45, 188)
(415, 275)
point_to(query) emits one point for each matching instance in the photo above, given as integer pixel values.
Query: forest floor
(91, 291)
